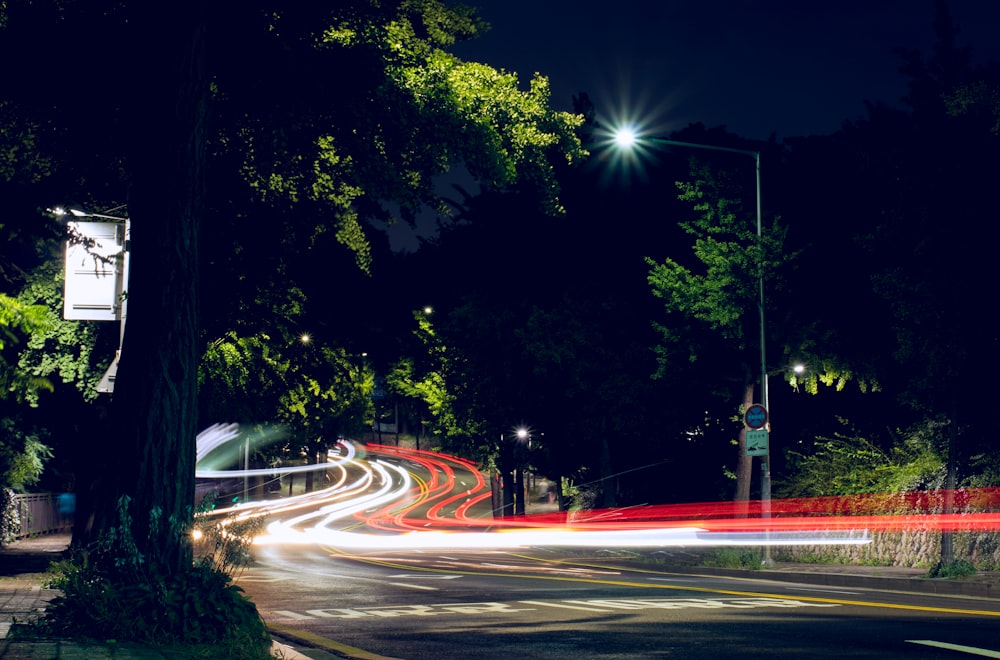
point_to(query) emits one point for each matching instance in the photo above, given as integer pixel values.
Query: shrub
(10, 520)
(112, 592)
(736, 558)
(955, 568)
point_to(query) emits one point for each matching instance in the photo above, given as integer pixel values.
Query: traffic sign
(757, 442)
(756, 416)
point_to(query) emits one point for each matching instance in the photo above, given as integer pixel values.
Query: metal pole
(246, 467)
(765, 465)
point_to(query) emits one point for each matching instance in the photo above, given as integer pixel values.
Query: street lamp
(627, 138)
(511, 488)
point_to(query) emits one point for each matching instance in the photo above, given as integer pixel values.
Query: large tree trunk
(154, 415)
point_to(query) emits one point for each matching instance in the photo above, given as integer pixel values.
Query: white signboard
(94, 272)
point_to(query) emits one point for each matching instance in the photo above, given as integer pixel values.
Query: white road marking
(292, 615)
(972, 650)
(604, 606)
(413, 586)
(425, 576)
(561, 605)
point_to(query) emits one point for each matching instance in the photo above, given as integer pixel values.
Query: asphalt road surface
(450, 581)
(549, 603)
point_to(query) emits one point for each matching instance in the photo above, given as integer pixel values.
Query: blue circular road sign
(756, 416)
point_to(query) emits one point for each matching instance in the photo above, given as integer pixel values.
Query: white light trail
(647, 538)
(385, 497)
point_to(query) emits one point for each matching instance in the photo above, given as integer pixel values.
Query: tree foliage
(849, 463)
(67, 351)
(18, 320)
(399, 111)
(271, 134)
(22, 455)
(314, 390)
(722, 289)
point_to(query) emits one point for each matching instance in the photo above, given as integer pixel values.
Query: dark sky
(794, 67)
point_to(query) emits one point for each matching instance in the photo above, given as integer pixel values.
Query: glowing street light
(626, 138)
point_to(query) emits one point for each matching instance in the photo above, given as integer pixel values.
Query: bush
(112, 592)
(10, 520)
(736, 558)
(955, 568)
(224, 542)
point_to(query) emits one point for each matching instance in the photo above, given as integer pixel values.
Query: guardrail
(39, 513)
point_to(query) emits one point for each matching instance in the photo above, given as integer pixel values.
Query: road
(399, 557)
(544, 603)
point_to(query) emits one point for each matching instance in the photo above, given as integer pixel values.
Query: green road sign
(757, 442)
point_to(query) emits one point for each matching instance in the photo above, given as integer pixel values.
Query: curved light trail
(386, 496)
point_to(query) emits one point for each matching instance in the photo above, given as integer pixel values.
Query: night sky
(792, 67)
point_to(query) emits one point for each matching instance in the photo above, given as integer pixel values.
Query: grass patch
(954, 569)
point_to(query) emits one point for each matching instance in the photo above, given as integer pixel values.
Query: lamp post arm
(695, 145)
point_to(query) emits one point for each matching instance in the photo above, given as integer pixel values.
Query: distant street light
(511, 495)
(626, 138)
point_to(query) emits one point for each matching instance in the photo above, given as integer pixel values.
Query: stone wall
(917, 548)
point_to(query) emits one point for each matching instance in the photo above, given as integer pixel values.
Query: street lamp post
(627, 138)
(511, 487)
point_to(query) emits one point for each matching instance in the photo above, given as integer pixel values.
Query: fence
(39, 514)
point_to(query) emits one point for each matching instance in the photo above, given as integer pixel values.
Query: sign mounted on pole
(757, 442)
(756, 416)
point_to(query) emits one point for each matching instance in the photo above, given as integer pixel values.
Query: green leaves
(720, 288)
(412, 113)
(22, 455)
(16, 316)
(258, 378)
(21, 158)
(848, 463)
(56, 347)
